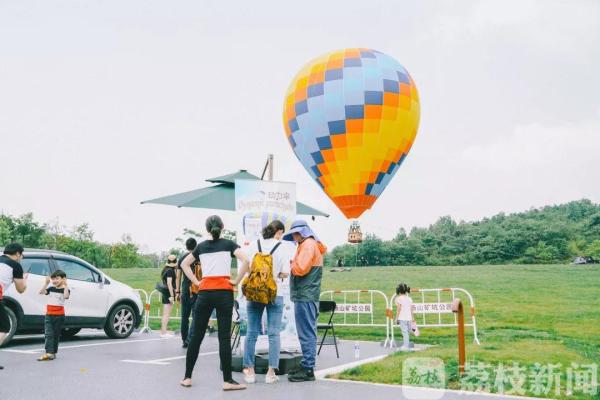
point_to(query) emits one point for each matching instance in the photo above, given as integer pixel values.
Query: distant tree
(82, 232)
(189, 233)
(593, 249)
(550, 234)
(28, 232)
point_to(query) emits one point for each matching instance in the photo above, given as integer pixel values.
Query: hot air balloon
(351, 117)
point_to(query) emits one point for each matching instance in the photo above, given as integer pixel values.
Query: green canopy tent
(221, 196)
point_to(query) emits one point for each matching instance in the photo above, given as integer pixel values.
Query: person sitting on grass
(57, 293)
(404, 315)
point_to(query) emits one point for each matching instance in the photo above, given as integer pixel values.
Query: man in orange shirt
(305, 289)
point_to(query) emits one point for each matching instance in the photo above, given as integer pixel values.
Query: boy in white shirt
(57, 292)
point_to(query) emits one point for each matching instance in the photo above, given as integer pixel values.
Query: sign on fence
(354, 308)
(367, 308)
(423, 311)
(432, 308)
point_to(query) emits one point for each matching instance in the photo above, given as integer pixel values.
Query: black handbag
(163, 289)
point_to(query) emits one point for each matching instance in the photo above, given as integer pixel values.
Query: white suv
(96, 300)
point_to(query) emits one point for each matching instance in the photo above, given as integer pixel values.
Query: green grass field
(525, 314)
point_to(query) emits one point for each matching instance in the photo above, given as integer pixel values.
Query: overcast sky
(107, 103)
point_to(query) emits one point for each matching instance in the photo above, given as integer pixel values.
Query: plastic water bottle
(356, 350)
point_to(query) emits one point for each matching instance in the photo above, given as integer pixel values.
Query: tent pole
(270, 163)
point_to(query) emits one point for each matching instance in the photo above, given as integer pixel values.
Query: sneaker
(1, 367)
(166, 335)
(293, 370)
(233, 385)
(302, 375)
(248, 377)
(271, 379)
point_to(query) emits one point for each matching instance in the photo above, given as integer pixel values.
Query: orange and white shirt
(215, 260)
(56, 301)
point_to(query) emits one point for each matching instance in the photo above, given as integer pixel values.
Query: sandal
(248, 377)
(233, 385)
(47, 357)
(186, 385)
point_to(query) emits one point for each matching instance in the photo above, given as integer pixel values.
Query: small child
(57, 293)
(404, 315)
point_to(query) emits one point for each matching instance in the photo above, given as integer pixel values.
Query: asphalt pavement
(91, 366)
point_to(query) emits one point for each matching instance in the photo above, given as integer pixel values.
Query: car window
(76, 271)
(36, 266)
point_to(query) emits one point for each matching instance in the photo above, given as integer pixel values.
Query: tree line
(552, 234)
(79, 241)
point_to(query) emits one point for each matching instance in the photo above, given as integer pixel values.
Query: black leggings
(206, 301)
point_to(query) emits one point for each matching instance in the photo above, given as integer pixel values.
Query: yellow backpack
(260, 285)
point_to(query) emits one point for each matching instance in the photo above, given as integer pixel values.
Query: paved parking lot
(90, 366)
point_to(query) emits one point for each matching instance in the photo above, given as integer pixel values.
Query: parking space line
(21, 351)
(114, 342)
(163, 361)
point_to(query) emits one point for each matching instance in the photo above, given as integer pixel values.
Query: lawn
(525, 314)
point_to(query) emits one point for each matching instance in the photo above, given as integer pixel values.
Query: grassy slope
(528, 314)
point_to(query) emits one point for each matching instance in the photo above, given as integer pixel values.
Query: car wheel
(69, 333)
(120, 322)
(13, 325)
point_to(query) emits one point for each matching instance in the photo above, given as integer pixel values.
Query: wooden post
(457, 307)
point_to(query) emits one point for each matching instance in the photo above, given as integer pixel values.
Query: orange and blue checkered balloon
(351, 117)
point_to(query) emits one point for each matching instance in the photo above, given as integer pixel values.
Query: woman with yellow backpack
(263, 288)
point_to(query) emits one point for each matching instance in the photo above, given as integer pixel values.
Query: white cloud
(549, 24)
(566, 146)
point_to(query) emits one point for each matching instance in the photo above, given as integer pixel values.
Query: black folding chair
(235, 326)
(324, 308)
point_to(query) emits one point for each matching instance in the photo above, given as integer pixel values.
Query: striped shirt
(215, 259)
(56, 301)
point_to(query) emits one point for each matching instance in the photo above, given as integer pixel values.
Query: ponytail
(214, 226)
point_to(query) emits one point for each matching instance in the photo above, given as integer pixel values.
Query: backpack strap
(274, 248)
(259, 248)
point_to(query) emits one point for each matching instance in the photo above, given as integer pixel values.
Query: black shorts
(4, 319)
(165, 298)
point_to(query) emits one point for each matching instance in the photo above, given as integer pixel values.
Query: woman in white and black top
(270, 244)
(216, 292)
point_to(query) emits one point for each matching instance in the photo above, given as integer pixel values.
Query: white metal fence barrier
(159, 309)
(435, 309)
(360, 308)
(145, 314)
